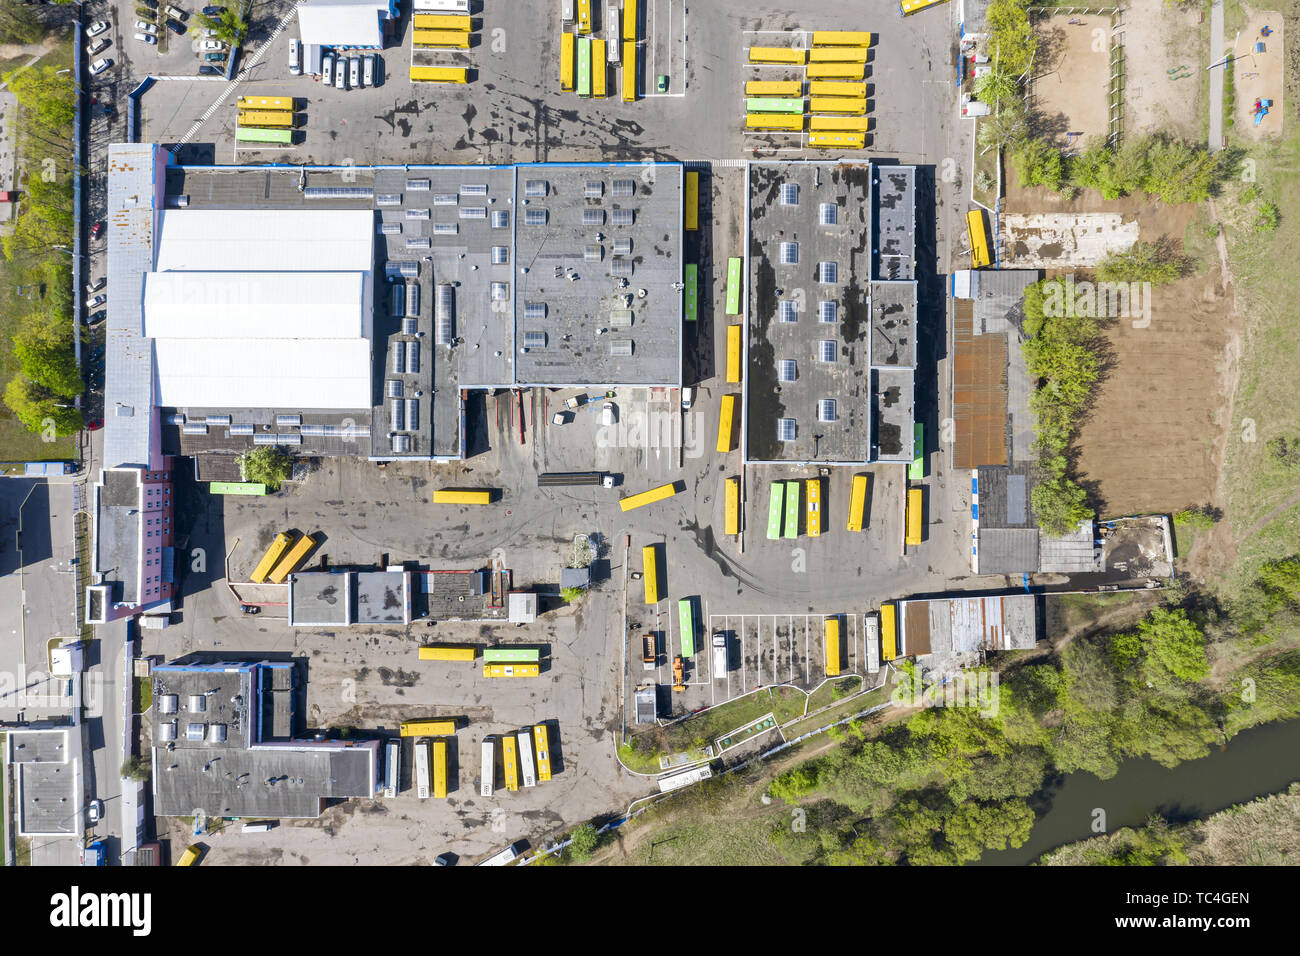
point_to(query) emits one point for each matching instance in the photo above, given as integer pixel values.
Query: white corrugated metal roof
(342, 22)
(264, 373)
(254, 305)
(266, 240)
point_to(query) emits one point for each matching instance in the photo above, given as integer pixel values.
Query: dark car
(207, 70)
(249, 608)
(212, 11)
(151, 4)
(97, 229)
(96, 317)
(176, 28)
(97, 353)
(214, 57)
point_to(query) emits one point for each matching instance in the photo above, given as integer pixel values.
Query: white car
(99, 66)
(95, 810)
(95, 302)
(144, 26)
(206, 45)
(96, 28)
(174, 12)
(93, 48)
(354, 71)
(146, 38)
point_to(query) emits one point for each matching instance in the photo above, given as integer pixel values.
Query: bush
(1144, 262)
(1059, 505)
(584, 839)
(136, 767)
(1198, 519)
(1267, 218)
(268, 464)
(572, 594)
(1038, 164)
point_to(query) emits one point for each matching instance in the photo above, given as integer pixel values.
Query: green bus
(733, 286)
(916, 470)
(686, 617)
(237, 488)
(511, 655)
(584, 66)
(692, 307)
(252, 134)
(775, 509)
(791, 509)
(769, 104)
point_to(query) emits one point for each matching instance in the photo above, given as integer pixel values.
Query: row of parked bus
(834, 112)
(525, 759)
(510, 661)
(440, 26)
(265, 119)
(585, 60)
(286, 554)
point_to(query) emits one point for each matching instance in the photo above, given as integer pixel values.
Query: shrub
(584, 839)
(268, 464)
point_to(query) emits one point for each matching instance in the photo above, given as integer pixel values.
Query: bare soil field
(1158, 37)
(1068, 90)
(1259, 75)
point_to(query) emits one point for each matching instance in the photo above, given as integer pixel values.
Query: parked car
(354, 71)
(214, 57)
(205, 45)
(151, 4)
(98, 228)
(379, 69)
(688, 398)
(208, 70)
(95, 810)
(662, 84)
(95, 286)
(175, 12)
(368, 71)
(176, 28)
(96, 28)
(94, 302)
(96, 317)
(96, 425)
(249, 608)
(340, 73)
(295, 57)
(96, 46)
(100, 65)
(146, 38)
(144, 26)
(212, 11)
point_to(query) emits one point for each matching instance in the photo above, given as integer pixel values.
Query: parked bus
(791, 510)
(731, 505)
(448, 652)
(777, 54)
(842, 54)
(542, 739)
(629, 71)
(686, 618)
(888, 632)
(837, 88)
(584, 66)
(908, 7)
(612, 30)
(289, 563)
(775, 510)
(979, 239)
(848, 124)
(647, 497)
(916, 470)
(835, 71)
(392, 768)
(255, 488)
(189, 856)
(442, 21)
(733, 352)
(691, 294)
(684, 778)
(773, 104)
(271, 119)
(511, 670)
(692, 201)
(259, 134)
(831, 640)
(838, 104)
(858, 503)
(650, 572)
(265, 103)
(439, 74)
(599, 69)
(726, 412)
(422, 769)
(440, 769)
(462, 496)
(774, 121)
(429, 727)
(584, 16)
(841, 38)
(915, 502)
(828, 139)
(774, 88)
(508, 762)
(813, 512)
(525, 740)
(568, 48)
(441, 39)
(488, 771)
(630, 22)
(511, 655)
(502, 858)
(734, 284)
(272, 556)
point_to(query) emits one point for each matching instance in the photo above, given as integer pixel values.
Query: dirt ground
(1070, 82)
(1259, 76)
(1158, 37)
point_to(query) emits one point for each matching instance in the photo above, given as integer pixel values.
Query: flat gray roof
(320, 599)
(895, 222)
(117, 534)
(893, 324)
(225, 698)
(895, 413)
(382, 597)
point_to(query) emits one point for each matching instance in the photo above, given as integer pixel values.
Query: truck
(679, 674)
(94, 854)
(719, 654)
(557, 479)
(649, 652)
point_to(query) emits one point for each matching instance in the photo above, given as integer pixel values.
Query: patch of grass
(849, 707)
(832, 691)
(22, 851)
(641, 753)
(143, 694)
(1229, 95)
(1078, 610)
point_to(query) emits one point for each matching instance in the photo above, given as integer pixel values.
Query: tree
(1006, 128)
(572, 594)
(18, 24)
(38, 409)
(1143, 262)
(47, 361)
(1178, 172)
(228, 26)
(997, 88)
(1038, 164)
(1012, 41)
(136, 767)
(268, 464)
(583, 843)
(1059, 505)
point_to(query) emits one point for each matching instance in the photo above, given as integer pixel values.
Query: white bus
(611, 31)
(502, 858)
(440, 6)
(525, 738)
(487, 783)
(675, 781)
(392, 768)
(566, 11)
(422, 769)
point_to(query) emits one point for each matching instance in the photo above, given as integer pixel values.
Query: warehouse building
(350, 24)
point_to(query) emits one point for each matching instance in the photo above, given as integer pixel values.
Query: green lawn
(849, 707)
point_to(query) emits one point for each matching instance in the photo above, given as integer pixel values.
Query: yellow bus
(271, 557)
(629, 70)
(440, 768)
(858, 503)
(825, 139)
(726, 412)
(648, 497)
(629, 21)
(843, 54)
(650, 572)
(692, 201)
(441, 38)
(915, 501)
(835, 71)
(813, 507)
(511, 670)
(831, 641)
(439, 74)
(509, 763)
(786, 121)
(290, 561)
(428, 728)
(448, 652)
(907, 7)
(776, 54)
(838, 88)
(841, 38)
(442, 21)
(733, 354)
(838, 104)
(462, 496)
(780, 88)
(979, 239)
(265, 103)
(584, 16)
(599, 69)
(852, 124)
(543, 747)
(731, 505)
(275, 119)
(888, 632)
(190, 855)
(568, 46)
